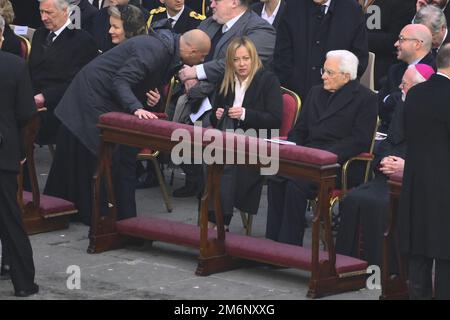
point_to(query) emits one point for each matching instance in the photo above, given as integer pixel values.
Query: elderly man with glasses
(413, 46)
(338, 116)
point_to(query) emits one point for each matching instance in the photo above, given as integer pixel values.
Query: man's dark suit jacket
(117, 81)
(390, 87)
(16, 107)
(88, 12)
(342, 122)
(12, 42)
(304, 37)
(258, 7)
(188, 20)
(53, 68)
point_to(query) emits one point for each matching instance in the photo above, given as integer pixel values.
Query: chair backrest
(29, 32)
(168, 88)
(25, 47)
(368, 79)
(291, 110)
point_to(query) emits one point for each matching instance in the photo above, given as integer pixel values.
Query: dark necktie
(170, 23)
(49, 39)
(321, 11)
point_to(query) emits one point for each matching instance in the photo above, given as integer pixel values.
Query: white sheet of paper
(280, 141)
(21, 30)
(205, 106)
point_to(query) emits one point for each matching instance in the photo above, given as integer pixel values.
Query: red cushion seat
(235, 245)
(49, 205)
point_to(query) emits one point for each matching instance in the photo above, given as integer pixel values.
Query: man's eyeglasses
(402, 39)
(330, 73)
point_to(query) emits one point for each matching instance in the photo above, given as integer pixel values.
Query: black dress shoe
(25, 293)
(5, 273)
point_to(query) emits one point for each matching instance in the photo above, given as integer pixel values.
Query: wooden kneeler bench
(40, 213)
(220, 251)
(393, 286)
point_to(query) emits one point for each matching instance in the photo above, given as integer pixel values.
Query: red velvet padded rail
(165, 129)
(235, 245)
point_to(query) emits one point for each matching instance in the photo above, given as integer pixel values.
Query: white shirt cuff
(242, 118)
(201, 74)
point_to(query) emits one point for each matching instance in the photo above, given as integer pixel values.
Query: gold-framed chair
(338, 193)
(25, 47)
(152, 155)
(40, 212)
(291, 109)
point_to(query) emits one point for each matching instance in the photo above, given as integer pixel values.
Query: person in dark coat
(176, 16)
(200, 6)
(424, 219)
(339, 117)
(270, 10)
(250, 96)
(413, 46)
(11, 43)
(87, 11)
(384, 21)
(434, 19)
(17, 108)
(118, 80)
(27, 13)
(57, 54)
(367, 206)
(307, 31)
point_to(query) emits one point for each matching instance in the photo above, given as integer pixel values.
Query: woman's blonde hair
(228, 79)
(6, 11)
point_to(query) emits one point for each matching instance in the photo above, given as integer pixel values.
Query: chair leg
(247, 221)
(249, 224)
(162, 184)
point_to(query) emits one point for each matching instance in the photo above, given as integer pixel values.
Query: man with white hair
(434, 19)
(338, 116)
(57, 54)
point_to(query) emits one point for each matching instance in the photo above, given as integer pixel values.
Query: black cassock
(367, 206)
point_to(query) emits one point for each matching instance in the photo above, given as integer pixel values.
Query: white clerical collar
(443, 39)
(443, 75)
(228, 25)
